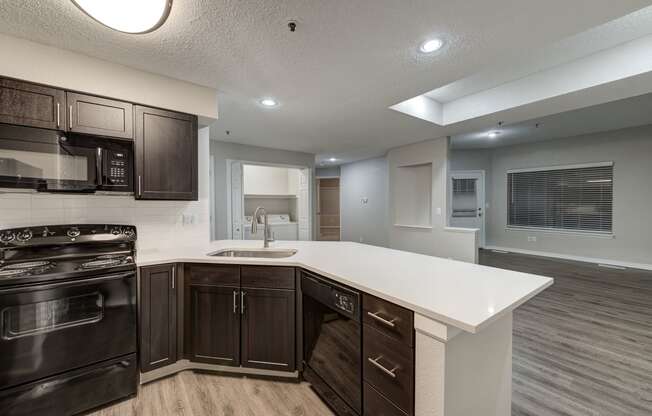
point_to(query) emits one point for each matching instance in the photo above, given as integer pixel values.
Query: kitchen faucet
(267, 234)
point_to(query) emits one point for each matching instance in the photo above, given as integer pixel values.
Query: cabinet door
(166, 155)
(215, 325)
(268, 324)
(32, 105)
(158, 316)
(99, 116)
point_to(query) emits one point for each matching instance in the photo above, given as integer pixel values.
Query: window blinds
(574, 198)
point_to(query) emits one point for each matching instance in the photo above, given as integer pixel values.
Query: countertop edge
(472, 328)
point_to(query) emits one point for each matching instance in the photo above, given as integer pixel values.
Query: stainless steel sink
(255, 253)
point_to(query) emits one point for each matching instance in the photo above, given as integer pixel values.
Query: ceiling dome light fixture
(493, 134)
(332, 159)
(127, 16)
(268, 102)
(431, 45)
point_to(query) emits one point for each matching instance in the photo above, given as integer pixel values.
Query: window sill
(592, 234)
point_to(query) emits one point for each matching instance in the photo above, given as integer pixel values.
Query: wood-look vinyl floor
(583, 347)
(198, 394)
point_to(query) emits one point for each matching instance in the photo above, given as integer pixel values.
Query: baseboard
(605, 262)
(183, 365)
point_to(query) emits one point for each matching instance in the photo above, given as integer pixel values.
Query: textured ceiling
(336, 75)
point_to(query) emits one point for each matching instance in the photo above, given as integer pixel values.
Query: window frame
(594, 233)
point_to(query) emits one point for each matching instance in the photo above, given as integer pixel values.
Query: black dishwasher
(332, 343)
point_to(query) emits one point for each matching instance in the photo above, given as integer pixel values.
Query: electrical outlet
(531, 239)
(364, 200)
(438, 211)
(361, 239)
(188, 219)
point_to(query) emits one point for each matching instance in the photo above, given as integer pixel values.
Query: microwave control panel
(117, 168)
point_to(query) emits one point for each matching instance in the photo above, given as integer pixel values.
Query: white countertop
(464, 295)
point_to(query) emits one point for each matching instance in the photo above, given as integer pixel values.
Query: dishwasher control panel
(344, 302)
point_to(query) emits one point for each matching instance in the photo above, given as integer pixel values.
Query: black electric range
(68, 335)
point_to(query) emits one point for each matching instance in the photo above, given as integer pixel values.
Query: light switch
(438, 211)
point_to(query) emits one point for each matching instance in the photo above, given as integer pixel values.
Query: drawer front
(268, 277)
(213, 274)
(388, 366)
(377, 405)
(392, 320)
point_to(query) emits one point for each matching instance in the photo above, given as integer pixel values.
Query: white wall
(629, 149)
(35, 62)
(159, 223)
(221, 151)
(364, 222)
(269, 180)
(438, 240)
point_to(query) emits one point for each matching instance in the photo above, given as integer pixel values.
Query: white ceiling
(336, 75)
(610, 116)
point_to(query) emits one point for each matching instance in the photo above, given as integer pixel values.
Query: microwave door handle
(98, 167)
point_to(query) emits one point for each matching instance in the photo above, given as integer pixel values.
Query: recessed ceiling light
(431, 45)
(269, 102)
(127, 16)
(493, 134)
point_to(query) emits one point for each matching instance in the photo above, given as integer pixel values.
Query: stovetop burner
(104, 261)
(25, 269)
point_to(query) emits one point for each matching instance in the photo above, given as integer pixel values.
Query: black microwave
(51, 161)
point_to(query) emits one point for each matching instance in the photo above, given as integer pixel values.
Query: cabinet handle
(58, 115)
(174, 275)
(242, 304)
(140, 182)
(375, 362)
(70, 117)
(382, 320)
(235, 301)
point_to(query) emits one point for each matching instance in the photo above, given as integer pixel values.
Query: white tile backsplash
(159, 223)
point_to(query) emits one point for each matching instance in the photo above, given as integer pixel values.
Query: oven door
(332, 355)
(46, 160)
(51, 328)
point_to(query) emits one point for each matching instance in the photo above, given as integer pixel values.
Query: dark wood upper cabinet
(32, 105)
(215, 325)
(268, 329)
(158, 316)
(166, 154)
(88, 114)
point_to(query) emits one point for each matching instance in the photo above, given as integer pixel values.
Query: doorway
(466, 193)
(328, 209)
(284, 192)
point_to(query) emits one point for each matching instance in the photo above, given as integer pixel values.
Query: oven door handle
(68, 283)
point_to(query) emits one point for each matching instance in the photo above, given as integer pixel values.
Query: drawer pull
(382, 320)
(375, 362)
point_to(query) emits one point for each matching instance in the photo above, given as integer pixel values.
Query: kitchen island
(462, 312)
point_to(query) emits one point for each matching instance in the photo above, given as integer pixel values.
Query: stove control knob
(24, 235)
(73, 232)
(129, 232)
(7, 237)
(115, 231)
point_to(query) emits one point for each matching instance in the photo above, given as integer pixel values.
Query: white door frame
(229, 215)
(470, 174)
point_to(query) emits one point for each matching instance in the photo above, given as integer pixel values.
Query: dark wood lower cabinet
(268, 336)
(158, 316)
(215, 332)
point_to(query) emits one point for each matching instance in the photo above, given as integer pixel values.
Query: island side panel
(465, 374)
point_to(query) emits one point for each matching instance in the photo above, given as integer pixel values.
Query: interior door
(305, 223)
(467, 201)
